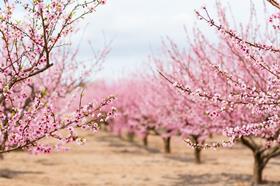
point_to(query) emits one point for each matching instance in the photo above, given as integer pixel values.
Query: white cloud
(137, 26)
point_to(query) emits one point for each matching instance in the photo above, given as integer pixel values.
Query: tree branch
(274, 3)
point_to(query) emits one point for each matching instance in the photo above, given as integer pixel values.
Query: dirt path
(107, 160)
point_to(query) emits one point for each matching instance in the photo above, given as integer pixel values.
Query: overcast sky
(138, 26)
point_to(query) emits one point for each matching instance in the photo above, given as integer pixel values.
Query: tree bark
(145, 141)
(197, 149)
(259, 160)
(262, 155)
(274, 3)
(197, 155)
(166, 142)
(258, 168)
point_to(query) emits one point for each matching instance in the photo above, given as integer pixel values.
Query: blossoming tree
(243, 85)
(35, 75)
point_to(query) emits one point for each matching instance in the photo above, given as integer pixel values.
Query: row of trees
(224, 86)
(230, 86)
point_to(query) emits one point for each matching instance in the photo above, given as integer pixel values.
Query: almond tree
(34, 75)
(194, 122)
(243, 85)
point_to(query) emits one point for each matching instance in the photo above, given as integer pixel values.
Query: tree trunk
(119, 134)
(105, 129)
(145, 141)
(197, 155)
(258, 168)
(166, 142)
(261, 157)
(197, 149)
(130, 136)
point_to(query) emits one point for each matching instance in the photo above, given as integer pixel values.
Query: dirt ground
(108, 160)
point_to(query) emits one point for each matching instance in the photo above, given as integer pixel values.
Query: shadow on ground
(9, 174)
(47, 162)
(118, 142)
(180, 158)
(230, 179)
(214, 179)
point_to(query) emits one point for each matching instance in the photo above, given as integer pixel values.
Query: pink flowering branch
(35, 84)
(236, 82)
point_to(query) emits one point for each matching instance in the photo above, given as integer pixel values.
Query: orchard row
(227, 86)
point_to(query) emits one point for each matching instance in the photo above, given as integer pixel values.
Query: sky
(137, 27)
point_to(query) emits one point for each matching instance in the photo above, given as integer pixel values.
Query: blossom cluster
(36, 91)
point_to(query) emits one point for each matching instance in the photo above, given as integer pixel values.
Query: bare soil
(108, 160)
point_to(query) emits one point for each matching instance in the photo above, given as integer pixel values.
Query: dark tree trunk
(166, 142)
(261, 157)
(258, 168)
(105, 128)
(197, 155)
(130, 136)
(197, 149)
(145, 141)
